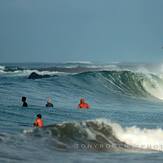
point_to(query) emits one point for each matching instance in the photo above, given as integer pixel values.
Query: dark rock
(34, 75)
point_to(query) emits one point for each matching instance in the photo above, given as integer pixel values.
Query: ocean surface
(124, 123)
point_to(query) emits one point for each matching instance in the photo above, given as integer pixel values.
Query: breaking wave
(101, 135)
(128, 82)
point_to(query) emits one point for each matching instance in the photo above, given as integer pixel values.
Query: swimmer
(24, 102)
(38, 122)
(49, 103)
(83, 104)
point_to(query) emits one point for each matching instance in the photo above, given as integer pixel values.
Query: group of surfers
(39, 122)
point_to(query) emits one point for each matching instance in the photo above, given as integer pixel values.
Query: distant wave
(48, 70)
(101, 135)
(79, 62)
(114, 78)
(28, 72)
(25, 72)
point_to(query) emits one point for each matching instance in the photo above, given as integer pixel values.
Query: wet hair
(24, 98)
(82, 100)
(39, 116)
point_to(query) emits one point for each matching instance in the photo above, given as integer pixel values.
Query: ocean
(123, 124)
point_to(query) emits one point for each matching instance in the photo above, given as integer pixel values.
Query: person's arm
(35, 123)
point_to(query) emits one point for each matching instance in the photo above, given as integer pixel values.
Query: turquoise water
(123, 124)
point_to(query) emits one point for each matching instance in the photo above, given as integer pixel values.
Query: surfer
(24, 101)
(38, 122)
(83, 104)
(49, 103)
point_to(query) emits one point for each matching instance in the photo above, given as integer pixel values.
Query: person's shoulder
(25, 104)
(49, 105)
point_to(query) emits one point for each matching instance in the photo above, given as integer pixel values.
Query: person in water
(83, 104)
(49, 103)
(38, 122)
(24, 102)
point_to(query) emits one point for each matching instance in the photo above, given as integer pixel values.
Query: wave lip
(2, 68)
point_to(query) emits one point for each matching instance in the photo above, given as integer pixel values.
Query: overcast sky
(100, 31)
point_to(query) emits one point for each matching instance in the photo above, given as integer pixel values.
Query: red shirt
(84, 106)
(38, 122)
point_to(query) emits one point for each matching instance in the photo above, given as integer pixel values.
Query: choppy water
(125, 122)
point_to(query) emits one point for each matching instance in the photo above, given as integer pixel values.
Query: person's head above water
(24, 99)
(49, 100)
(49, 103)
(39, 116)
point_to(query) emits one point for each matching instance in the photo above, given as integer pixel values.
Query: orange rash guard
(84, 106)
(38, 122)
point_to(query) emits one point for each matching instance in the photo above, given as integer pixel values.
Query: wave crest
(128, 83)
(102, 135)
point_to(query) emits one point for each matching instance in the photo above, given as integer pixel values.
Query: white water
(150, 139)
(154, 87)
(2, 69)
(28, 72)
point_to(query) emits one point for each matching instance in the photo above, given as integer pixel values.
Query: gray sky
(101, 31)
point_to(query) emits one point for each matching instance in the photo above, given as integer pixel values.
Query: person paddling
(83, 104)
(38, 122)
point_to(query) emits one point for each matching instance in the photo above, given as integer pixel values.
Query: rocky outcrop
(34, 75)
